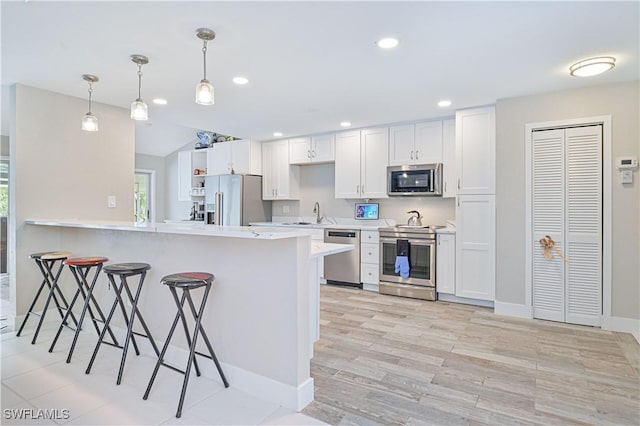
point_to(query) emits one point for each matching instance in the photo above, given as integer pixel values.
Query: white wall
(4, 145)
(151, 162)
(621, 101)
(317, 183)
(60, 171)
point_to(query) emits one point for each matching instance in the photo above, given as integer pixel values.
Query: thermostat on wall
(626, 163)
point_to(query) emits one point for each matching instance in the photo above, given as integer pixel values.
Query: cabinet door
(269, 170)
(475, 246)
(241, 156)
(401, 145)
(281, 162)
(475, 150)
(449, 159)
(446, 264)
(299, 150)
(428, 142)
(184, 176)
(347, 169)
(374, 159)
(323, 148)
(219, 159)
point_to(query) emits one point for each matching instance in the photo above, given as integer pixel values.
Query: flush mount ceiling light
(139, 110)
(90, 121)
(345, 123)
(240, 80)
(592, 66)
(159, 101)
(277, 134)
(204, 89)
(444, 103)
(387, 43)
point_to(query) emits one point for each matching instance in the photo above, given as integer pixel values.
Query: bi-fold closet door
(567, 206)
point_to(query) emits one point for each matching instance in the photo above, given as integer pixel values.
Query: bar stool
(124, 270)
(46, 262)
(80, 268)
(187, 281)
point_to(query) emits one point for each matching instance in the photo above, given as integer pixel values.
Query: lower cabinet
(370, 260)
(446, 263)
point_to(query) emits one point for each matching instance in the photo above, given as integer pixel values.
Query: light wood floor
(390, 360)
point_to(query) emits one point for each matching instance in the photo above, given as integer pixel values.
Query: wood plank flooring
(396, 361)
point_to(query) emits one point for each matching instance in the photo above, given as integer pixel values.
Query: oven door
(421, 262)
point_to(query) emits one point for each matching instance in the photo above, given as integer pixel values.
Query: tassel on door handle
(547, 245)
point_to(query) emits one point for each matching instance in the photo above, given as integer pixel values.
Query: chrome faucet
(316, 210)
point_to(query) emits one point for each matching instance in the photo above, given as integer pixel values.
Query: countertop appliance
(416, 180)
(343, 268)
(421, 282)
(235, 200)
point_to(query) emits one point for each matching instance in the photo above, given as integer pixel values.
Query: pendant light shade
(90, 121)
(204, 89)
(139, 110)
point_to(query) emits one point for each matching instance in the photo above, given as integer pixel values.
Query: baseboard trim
(371, 287)
(622, 325)
(465, 300)
(512, 310)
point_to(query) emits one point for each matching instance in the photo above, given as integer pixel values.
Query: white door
(347, 168)
(184, 176)
(323, 148)
(428, 145)
(475, 150)
(401, 145)
(374, 159)
(446, 264)
(241, 157)
(299, 150)
(269, 170)
(219, 159)
(567, 206)
(281, 160)
(449, 159)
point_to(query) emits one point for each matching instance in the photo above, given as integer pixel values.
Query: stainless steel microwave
(420, 180)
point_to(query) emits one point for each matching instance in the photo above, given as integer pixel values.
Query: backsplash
(317, 184)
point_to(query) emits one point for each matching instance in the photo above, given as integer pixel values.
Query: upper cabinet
(419, 143)
(188, 180)
(241, 157)
(280, 180)
(315, 149)
(475, 151)
(449, 173)
(361, 163)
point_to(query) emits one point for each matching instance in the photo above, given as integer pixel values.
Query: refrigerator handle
(217, 217)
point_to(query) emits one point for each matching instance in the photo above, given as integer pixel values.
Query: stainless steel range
(420, 282)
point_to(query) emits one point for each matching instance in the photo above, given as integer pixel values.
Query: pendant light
(139, 109)
(90, 121)
(204, 89)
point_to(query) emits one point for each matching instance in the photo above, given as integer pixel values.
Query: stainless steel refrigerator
(235, 200)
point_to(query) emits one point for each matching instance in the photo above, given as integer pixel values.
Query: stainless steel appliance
(417, 180)
(235, 200)
(421, 282)
(343, 268)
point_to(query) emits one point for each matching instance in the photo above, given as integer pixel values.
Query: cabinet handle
(438, 239)
(412, 154)
(362, 189)
(308, 154)
(370, 253)
(458, 202)
(276, 192)
(417, 151)
(313, 154)
(358, 189)
(458, 183)
(445, 187)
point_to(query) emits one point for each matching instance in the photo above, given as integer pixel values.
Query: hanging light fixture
(90, 121)
(139, 110)
(204, 89)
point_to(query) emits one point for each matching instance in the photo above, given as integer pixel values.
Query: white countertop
(447, 230)
(362, 227)
(318, 248)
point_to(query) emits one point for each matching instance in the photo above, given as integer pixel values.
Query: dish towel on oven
(402, 258)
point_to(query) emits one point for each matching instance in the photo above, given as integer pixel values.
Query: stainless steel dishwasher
(343, 268)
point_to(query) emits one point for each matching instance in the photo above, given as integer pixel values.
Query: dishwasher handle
(341, 234)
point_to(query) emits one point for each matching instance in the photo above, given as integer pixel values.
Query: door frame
(605, 121)
(152, 190)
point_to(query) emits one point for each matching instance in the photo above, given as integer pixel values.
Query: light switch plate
(285, 209)
(111, 201)
(626, 176)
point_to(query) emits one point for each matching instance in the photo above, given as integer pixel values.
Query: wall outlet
(285, 208)
(111, 201)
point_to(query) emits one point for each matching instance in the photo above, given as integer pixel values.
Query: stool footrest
(115, 345)
(171, 367)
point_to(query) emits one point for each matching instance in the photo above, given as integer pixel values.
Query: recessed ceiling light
(592, 66)
(240, 80)
(277, 134)
(444, 103)
(159, 101)
(387, 43)
(345, 124)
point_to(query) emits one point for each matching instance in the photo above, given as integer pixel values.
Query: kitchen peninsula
(260, 313)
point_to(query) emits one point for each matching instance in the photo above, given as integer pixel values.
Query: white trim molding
(512, 310)
(622, 325)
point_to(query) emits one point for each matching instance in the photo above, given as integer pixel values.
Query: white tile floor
(36, 380)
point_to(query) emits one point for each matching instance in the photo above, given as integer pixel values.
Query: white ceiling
(311, 64)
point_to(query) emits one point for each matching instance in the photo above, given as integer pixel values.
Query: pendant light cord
(204, 57)
(90, 92)
(139, 82)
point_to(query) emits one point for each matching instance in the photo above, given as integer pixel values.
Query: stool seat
(86, 261)
(126, 268)
(188, 279)
(51, 255)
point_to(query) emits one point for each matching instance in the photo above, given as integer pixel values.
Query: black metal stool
(46, 263)
(124, 270)
(80, 268)
(187, 281)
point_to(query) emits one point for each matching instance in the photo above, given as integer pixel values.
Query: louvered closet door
(548, 219)
(584, 225)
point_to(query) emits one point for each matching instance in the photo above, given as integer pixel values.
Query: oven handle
(421, 242)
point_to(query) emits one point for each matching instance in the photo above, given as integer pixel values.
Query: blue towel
(402, 266)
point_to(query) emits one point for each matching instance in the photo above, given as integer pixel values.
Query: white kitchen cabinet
(241, 157)
(280, 180)
(446, 263)
(368, 178)
(419, 143)
(449, 173)
(312, 150)
(476, 151)
(370, 260)
(188, 162)
(476, 247)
